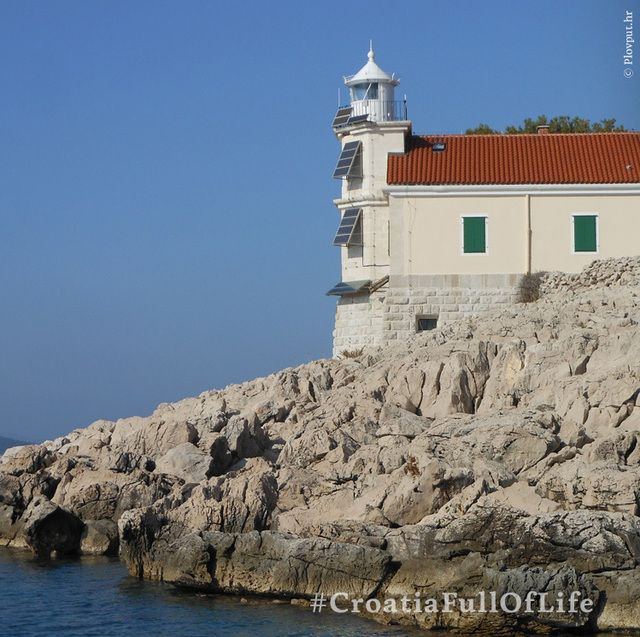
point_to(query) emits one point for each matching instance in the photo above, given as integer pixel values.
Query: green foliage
(481, 129)
(529, 288)
(558, 124)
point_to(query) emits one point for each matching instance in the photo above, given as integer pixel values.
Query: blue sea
(95, 597)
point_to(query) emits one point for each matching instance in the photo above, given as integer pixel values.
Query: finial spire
(371, 54)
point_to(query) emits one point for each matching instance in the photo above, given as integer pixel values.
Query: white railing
(381, 110)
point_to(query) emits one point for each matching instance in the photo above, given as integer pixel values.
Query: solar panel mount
(349, 164)
(350, 228)
(344, 288)
(357, 119)
(342, 117)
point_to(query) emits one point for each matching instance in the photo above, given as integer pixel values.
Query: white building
(434, 227)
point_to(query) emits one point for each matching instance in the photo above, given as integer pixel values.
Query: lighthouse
(372, 93)
(373, 125)
(433, 228)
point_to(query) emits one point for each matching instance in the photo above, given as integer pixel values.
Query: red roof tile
(554, 158)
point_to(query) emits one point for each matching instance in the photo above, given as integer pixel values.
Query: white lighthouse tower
(372, 126)
(372, 93)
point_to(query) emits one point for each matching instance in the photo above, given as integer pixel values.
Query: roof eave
(434, 190)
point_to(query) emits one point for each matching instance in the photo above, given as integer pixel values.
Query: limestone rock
(26, 459)
(50, 529)
(266, 563)
(153, 438)
(244, 440)
(186, 462)
(99, 537)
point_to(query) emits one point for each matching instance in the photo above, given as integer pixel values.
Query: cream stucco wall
(427, 235)
(426, 232)
(552, 229)
(370, 261)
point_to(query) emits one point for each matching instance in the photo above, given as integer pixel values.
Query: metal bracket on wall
(376, 285)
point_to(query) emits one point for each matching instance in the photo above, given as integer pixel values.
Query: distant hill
(5, 443)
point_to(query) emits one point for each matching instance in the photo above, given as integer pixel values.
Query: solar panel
(348, 287)
(357, 119)
(348, 229)
(348, 164)
(342, 117)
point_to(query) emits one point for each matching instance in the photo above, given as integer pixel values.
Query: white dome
(370, 72)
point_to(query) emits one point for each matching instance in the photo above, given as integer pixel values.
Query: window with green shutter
(474, 235)
(585, 233)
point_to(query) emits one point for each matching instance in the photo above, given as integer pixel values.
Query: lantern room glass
(365, 91)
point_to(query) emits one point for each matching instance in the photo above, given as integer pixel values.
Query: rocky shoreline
(499, 453)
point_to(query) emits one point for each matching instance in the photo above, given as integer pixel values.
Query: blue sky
(165, 174)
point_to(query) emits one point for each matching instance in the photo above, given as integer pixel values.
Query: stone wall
(359, 322)
(391, 313)
(403, 306)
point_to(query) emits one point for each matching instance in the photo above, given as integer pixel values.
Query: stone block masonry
(404, 306)
(359, 322)
(392, 313)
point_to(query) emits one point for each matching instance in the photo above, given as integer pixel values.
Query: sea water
(95, 597)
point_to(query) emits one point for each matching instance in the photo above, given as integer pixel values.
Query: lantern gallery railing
(370, 111)
(389, 109)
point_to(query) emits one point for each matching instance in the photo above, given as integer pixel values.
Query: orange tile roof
(552, 158)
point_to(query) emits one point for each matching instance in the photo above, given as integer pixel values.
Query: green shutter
(475, 238)
(584, 233)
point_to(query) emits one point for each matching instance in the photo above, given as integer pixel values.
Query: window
(585, 233)
(365, 91)
(425, 323)
(474, 235)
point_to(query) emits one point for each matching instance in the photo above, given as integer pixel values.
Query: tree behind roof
(558, 124)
